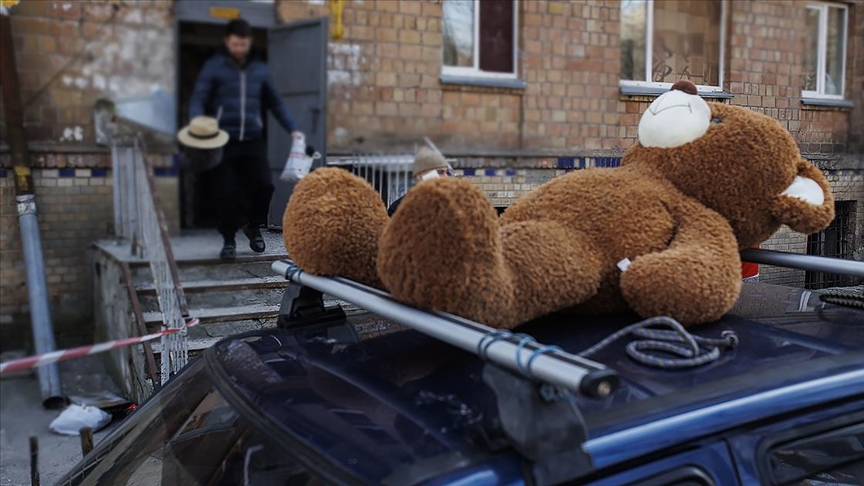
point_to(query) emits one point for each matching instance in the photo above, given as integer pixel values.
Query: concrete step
(221, 285)
(221, 314)
(202, 337)
(221, 299)
(210, 270)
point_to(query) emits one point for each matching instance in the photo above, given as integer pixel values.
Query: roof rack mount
(557, 368)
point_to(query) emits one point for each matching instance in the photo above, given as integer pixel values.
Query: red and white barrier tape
(64, 354)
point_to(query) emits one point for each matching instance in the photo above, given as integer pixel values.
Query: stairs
(227, 297)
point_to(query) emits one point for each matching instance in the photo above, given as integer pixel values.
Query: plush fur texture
(332, 226)
(680, 215)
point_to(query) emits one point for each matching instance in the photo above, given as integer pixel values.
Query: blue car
(341, 395)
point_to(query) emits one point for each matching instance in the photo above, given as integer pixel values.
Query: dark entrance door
(298, 64)
(197, 42)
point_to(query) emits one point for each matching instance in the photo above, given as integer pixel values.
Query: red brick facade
(388, 64)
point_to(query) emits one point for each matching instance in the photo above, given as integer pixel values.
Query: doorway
(197, 42)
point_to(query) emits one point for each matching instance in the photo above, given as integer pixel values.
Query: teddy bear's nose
(686, 86)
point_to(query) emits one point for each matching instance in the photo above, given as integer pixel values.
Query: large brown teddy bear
(661, 234)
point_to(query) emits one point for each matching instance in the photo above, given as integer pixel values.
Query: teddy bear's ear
(807, 205)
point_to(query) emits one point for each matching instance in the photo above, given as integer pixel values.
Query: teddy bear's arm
(696, 279)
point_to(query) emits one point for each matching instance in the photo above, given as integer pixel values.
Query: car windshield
(188, 434)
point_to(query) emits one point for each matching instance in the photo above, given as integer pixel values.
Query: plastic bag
(76, 417)
(299, 161)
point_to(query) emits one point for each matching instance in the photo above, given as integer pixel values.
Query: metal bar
(163, 231)
(149, 358)
(25, 198)
(34, 461)
(37, 291)
(559, 368)
(804, 262)
(117, 190)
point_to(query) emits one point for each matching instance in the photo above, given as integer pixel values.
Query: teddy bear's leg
(442, 251)
(445, 250)
(332, 225)
(554, 268)
(697, 279)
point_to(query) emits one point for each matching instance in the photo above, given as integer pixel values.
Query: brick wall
(384, 79)
(70, 53)
(855, 64)
(75, 208)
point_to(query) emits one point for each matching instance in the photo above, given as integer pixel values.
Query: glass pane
(633, 21)
(835, 457)
(496, 36)
(187, 434)
(836, 51)
(687, 41)
(811, 50)
(459, 33)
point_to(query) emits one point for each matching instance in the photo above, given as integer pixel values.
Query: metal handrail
(138, 220)
(390, 175)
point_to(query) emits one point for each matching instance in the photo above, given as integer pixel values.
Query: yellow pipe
(336, 29)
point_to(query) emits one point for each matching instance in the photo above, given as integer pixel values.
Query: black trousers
(244, 185)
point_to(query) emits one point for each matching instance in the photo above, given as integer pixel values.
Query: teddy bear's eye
(715, 120)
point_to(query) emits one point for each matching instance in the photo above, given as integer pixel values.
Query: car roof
(388, 404)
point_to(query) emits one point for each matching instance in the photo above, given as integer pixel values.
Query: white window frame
(649, 54)
(475, 71)
(822, 51)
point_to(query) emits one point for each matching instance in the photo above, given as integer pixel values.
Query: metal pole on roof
(804, 262)
(37, 287)
(559, 368)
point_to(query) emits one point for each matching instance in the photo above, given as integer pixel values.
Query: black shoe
(229, 250)
(256, 241)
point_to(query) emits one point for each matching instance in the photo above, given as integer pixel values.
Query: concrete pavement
(22, 416)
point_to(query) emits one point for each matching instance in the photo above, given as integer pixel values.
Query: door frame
(259, 15)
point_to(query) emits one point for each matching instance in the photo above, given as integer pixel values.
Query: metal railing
(138, 220)
(390, 175)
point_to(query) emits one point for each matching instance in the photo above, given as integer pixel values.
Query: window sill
(480, 82)
(651, 91)
(828, 102)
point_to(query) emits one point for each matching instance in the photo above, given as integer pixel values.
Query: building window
(825, 50)
(480, 38)
(664, 41)
(835, 241)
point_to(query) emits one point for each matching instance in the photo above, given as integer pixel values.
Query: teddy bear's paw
(686, 286)
(332, 225)
(807, 205)
(442, 251)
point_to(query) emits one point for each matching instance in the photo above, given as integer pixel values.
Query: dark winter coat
(238, 97)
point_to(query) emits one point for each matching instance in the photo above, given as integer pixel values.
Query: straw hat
(427, 159)
(203, 133)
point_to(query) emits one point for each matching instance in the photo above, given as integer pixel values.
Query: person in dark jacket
(235, 87)
(428, 164)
